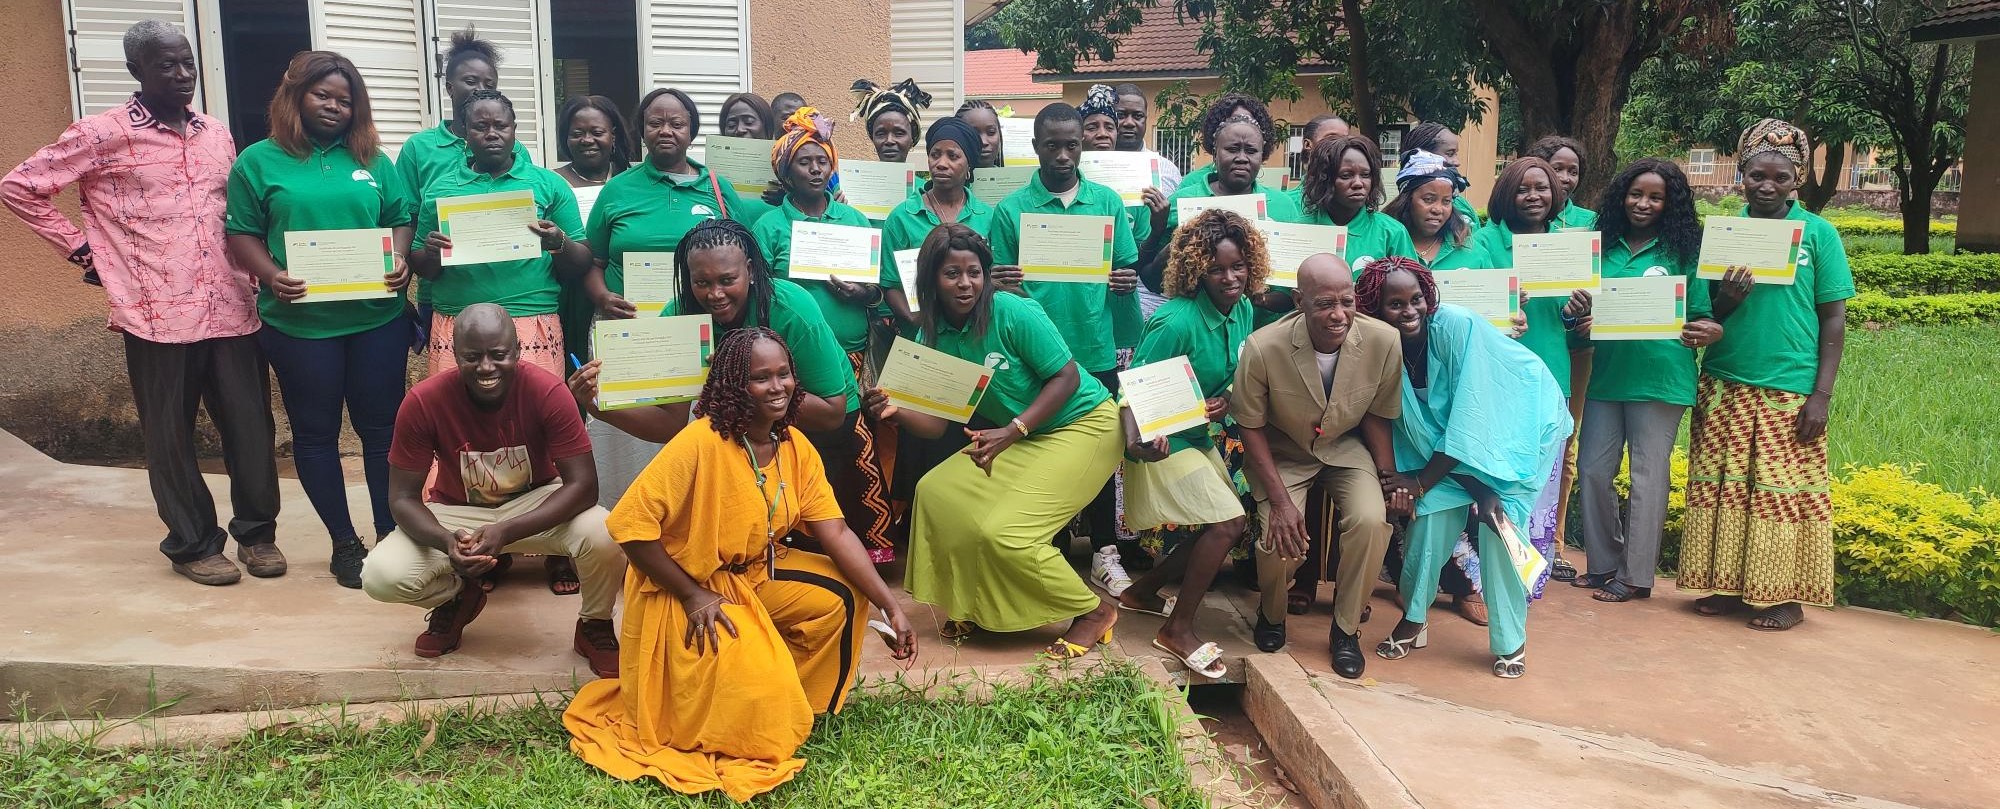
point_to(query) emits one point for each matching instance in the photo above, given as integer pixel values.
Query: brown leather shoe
(262, 560)
(448, 621)
(1472, 607)
(213, 571)
(597, 641)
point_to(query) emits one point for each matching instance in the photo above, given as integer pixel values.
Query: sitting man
(514, 475)
(1314, 394)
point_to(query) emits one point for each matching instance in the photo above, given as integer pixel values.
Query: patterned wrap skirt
(1759, 521)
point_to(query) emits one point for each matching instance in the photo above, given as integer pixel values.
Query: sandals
(1618, 592)
(1062, 649)
(561, 573)
(1779, 618)
(1511, 667)
(1166, 608)
(1594, 581)
(1205, 661)
(1392, 649)
(1472, 607)
(1718, 604)
(490, 580)
(1562, 570)
(957, 630)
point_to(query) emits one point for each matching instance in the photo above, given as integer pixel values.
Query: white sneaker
(1107, 572)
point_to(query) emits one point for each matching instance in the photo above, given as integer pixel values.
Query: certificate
(651, 360)
(906, 266)
(744, 162)
(649, 281)
(341, 265)
(1165, 397)
(1528, 562)
(993, 185)
(1769, 247)
(1279, 178)
(822, 251)
(1067, 249)
(1491, 294)
(1250, 206)
(1645, 308)
(876, 188)
(932, 382)
(586, 199)
(1552, 265)
(1128, 173)
(1017, 142)
(488, 227)
(1289, 245)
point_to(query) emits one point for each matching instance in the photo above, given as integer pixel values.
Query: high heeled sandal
(1062, 649)
(1511, 667)
(1392, 649)
(955, 630)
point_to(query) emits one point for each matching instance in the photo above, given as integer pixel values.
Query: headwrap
(1772, 135)
(1100, 99)
(956, 131)
(805, 126)
(1421, 167)
(904, 96)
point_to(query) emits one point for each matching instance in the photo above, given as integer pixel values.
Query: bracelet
(1021, 427)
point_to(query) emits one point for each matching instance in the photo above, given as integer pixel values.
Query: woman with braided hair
(1482, 427)
(985, 120)
(701, 525)
(892, 117)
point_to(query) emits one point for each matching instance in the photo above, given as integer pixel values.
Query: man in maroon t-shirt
(514, 475)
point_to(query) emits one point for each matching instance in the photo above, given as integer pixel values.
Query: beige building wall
(1979, 197)
(793, 48)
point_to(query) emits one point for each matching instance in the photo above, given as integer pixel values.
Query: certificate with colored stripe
(875, 188)
(1769, 247)
(1250, 206)
(823, 251)
(1165, 397)
(1128, 173)
(651, 360)
(486, 228)
(906, 266)
(1278, 177)
(1650, 307)
(1065, 248)
(932, 382)
(1289, 245)
(744, 163)
(649, 281)
(341, 265)
(990, 185)
(1017, 141)
(1492, 294)
(1552, 265)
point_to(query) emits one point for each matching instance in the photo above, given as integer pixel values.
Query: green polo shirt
(1023, 351)
(823, 369)
(1572, 217)
(910, 223)
(1648, 370)
(1464, 208)
(645, 210)
(1772, 339)
(1370, 235)
(424, 157)
(849, 321)
(1465, 256)
(527, 287)
(1278, 205)
(1080, 311)
(1545, 334)
(1197, 178)
(272, 192)
(1210, 339)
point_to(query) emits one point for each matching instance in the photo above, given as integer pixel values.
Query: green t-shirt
(1772, 339)
(1195, 179)
(1465, 210)
(1278, 205)
(1648, 370)
(527, 287)
(1022, 349)
(1079, 311)
(272, 192)
(1370, 235)
(849, 321)
(646, 210)
(910, 223)
(1465, 256)
(428, 154)
(823, 369)
(1572, 217)
(1211, 341)
(1545, 336)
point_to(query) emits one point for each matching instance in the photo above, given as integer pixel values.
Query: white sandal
(1392, 649)
(1165, 611)
(1511, 667)
(1205, 661)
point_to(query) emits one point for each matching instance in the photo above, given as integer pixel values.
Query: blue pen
(574, 361)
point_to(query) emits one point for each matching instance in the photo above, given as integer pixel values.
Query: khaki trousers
(1364, 537)
(399, 571)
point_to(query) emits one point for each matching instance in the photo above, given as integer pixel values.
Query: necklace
(587, 178)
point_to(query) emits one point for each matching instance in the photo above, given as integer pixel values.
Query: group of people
(1356, 419)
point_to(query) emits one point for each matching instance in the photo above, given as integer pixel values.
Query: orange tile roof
(1004, 73)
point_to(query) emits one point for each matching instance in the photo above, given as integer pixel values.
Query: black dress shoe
(1347, 659)
(1270, 637)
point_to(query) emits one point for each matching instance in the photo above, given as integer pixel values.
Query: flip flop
(1165, 610)
(1205, 660)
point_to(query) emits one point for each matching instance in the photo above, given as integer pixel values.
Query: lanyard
(770, 502)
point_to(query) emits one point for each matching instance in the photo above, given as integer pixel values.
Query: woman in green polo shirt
(1759, 525)
(1438, 139)
(1639, 389)
(1566, 157)
(892, 117)
(1181, 481)
(595, 143)
(323, 169)
(526, 288)
(1238, 135)
(1427, 186)
(1343, 186)
(1044, 439)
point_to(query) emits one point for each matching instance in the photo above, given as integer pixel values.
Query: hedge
(1873, 226)
(1927, 274)
(1876, 307)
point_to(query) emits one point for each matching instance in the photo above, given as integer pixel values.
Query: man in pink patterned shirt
(152, 175)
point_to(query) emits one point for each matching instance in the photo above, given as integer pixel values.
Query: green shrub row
(1876, 307)
(1874, 226)
(1897, 274)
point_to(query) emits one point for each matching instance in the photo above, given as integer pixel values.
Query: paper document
(1165, 397)
(932, 382)
(1769, 247)
(586, 199)
(1643, 308)
(1492, 294)
(1017, 141)
(875, 188)
(341, 265)
(823, 251)
(745, 163)
(906, 267)
(649, 281)
(1250, 206)
(1289, 245)
(486, 228)
(993, 185)
(1067, 249)
(1279, 178)
(1552, 265)
(651, 360)
(1128, 173)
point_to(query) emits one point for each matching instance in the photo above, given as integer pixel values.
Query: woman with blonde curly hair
(1218, 261)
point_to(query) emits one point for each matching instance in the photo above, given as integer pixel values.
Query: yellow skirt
(1190, 487)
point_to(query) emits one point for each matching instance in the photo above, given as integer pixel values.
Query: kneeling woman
(979, 545)
(1483, 424)
(739, 640)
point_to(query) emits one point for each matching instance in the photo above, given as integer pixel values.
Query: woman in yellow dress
(733, 641)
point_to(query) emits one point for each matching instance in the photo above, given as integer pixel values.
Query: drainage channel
(1221, 709)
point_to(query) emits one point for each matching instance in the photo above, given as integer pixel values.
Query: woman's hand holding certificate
(1164, 397)
(339, 265)
(1769, 247)
(928, 381)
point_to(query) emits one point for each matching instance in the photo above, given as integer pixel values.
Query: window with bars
(1701, 161)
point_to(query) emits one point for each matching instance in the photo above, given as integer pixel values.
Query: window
(1701, 161)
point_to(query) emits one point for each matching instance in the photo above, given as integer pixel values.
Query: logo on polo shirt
(997, 361)
(702, 210)
(362, 176)
(1655, 271)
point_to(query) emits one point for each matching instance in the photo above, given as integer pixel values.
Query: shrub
(1875, 307)
(1927, 275)
(1876, 226)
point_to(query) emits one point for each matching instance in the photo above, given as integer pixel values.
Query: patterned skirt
(541, 343)
(1759, 520)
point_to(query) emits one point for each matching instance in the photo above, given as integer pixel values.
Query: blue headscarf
(1420, 167)
(1100, 99)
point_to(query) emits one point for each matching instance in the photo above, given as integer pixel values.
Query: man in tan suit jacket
(1314, 393)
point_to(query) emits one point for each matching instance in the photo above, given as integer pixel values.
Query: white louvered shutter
(98, 79)
(701, 47)
(519, 28)
(927, 43)
(384, 38)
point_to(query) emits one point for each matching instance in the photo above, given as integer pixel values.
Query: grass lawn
(1928, 394)
(1862, 245)
(1098, 741)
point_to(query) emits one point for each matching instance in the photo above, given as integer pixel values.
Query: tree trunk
(1365, 114)
(1821, 186)
(1917, 214)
